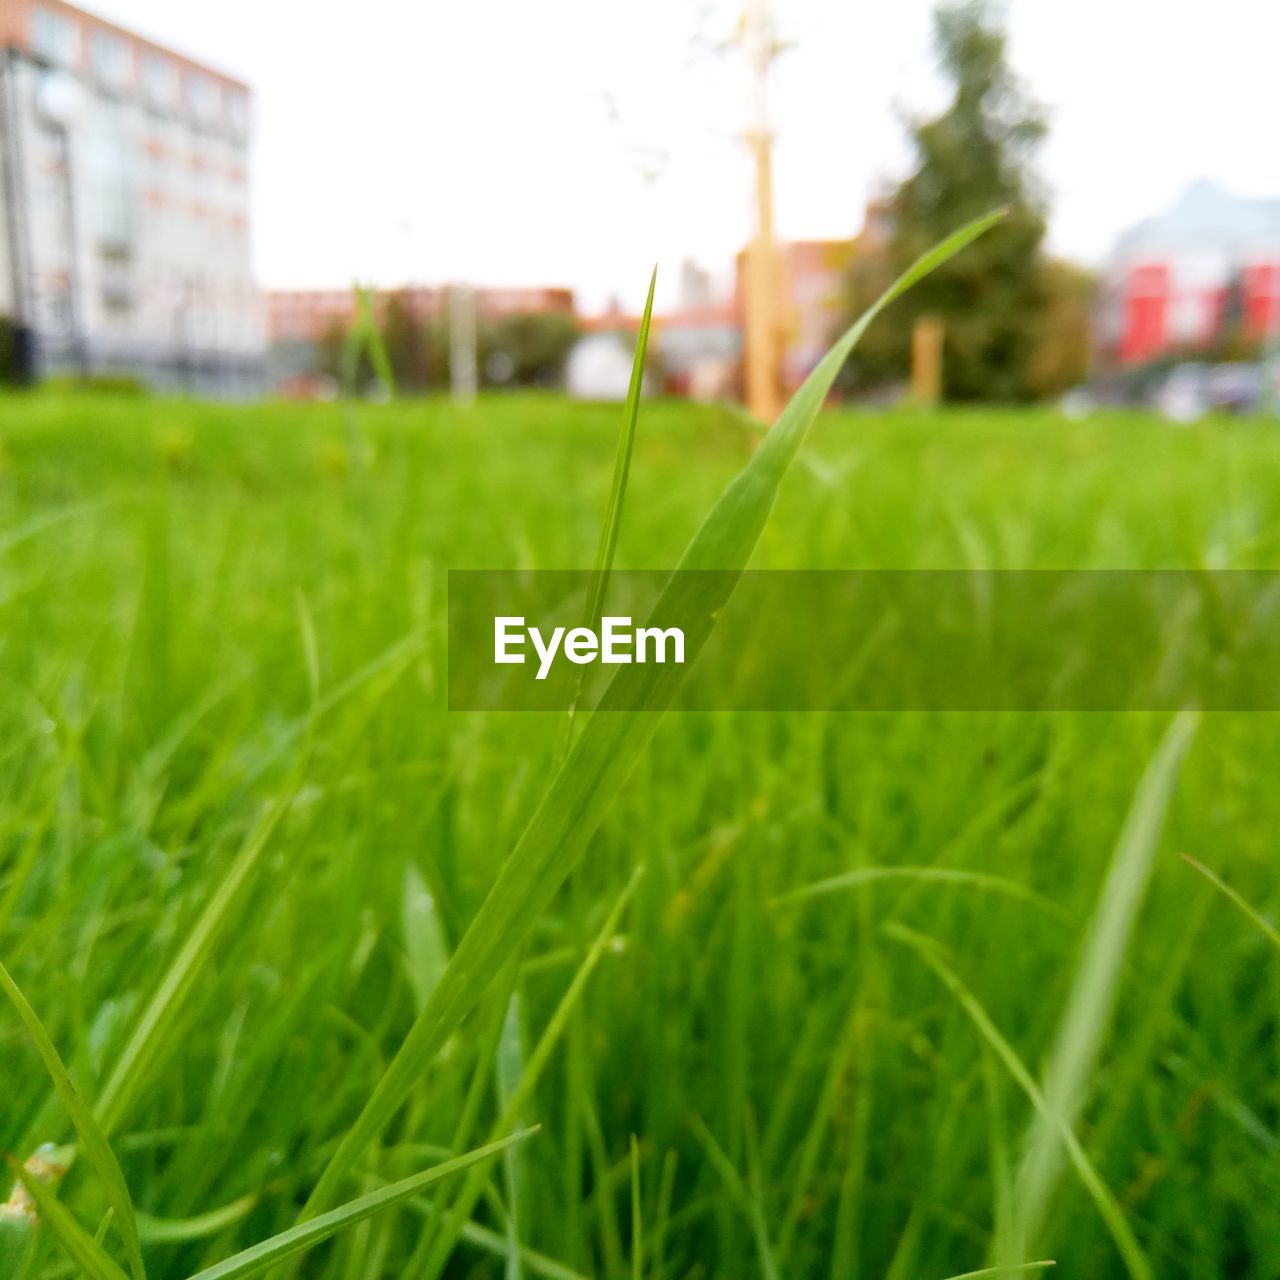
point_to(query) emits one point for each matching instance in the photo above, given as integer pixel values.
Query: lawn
(222, 630)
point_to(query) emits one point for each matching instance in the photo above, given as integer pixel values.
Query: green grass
(240, 838)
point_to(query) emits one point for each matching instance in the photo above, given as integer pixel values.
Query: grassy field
(221, 630)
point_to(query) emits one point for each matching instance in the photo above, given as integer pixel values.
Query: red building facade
(1205, 271)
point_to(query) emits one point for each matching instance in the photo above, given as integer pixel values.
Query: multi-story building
(812, 294)
(1178, 281)
(698, 346)
(124, 205)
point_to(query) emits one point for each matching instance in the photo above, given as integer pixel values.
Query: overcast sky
(506, 140)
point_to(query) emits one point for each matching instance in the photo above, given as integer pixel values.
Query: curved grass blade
(936, 875)
(96, 1148)
(288, 1244)
(537, 1264)
(1105, 1202)
(604, 755)
(1014, 1269)
(199, 1227)
(1078, 1041)
(622, 464)
(15, 537)
(89, 1256)
(1246, 909)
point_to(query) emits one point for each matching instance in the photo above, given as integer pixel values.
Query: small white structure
(599, 368)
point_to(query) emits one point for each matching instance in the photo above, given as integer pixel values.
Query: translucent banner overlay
(858, 640)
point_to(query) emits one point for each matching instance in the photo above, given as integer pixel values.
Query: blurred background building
(124, 207)
(1201, 278)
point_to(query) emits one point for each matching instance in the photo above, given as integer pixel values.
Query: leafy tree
(403, 338)
(973, 157)
(526, 350)
(1061, 357)
(1232, 340)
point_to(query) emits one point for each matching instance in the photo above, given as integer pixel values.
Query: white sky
(471, 139)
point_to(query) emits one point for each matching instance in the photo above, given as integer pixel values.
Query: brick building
(812, 280)
(124, 205)
(303, 315)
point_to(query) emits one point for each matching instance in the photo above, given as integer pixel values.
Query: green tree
(404, 338)
(974, 157)
(513, 351)
(1060, 359)
(526, 350)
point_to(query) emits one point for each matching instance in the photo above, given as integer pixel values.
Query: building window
(55, 36)
(203, 99)
(160, 82)
(236, 102)
(112, 59)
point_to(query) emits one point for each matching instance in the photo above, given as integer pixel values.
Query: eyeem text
(616, 643)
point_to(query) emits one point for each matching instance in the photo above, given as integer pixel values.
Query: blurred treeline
(511, 351)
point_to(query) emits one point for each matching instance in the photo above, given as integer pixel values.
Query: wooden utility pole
(926, 361)
(764, 324)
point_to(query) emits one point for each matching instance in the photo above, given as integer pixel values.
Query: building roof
(14, 29)
(710, 315)
(1206, 217)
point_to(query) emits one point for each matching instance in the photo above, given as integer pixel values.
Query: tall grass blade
(510, 1066)
(1108, 1209)
(363, 338)
(296, 1240)
(637, 1221)
(377, 349)
(1245, 908)
(617, 492)
(606, 752)
(1087, 1017)
(520, 1097)
(96, 1148)
(89, 1257)
(621, 465)
(747, 1199)
(856, 879)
